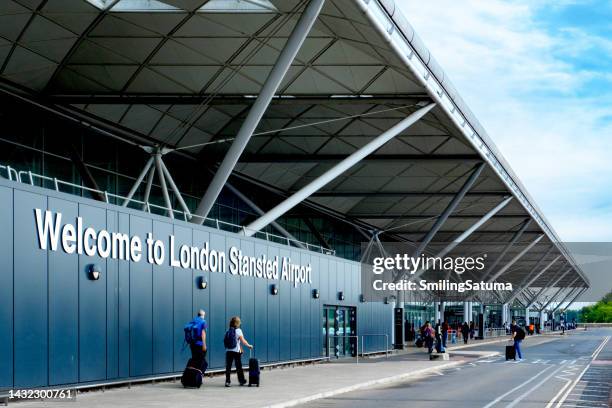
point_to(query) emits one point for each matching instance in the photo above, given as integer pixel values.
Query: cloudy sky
(538, 75)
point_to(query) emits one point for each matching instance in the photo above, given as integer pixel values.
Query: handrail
(14, 175)
(381, 334)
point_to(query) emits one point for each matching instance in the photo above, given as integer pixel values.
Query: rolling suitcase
(254, 371)
(510, 351)
(192, 376)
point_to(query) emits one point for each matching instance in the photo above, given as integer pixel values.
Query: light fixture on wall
(340, 295)
(94, 271)
(362, 298)
(274, 289)
(315, 293)
(202, 284)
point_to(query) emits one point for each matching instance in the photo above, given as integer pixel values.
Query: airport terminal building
(158, 157)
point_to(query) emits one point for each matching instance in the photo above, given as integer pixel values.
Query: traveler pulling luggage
(254, 371)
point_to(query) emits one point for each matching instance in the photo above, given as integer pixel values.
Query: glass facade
(49, 146)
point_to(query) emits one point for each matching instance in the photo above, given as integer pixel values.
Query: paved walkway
(281, 387)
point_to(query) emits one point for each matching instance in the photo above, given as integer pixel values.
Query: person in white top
(233, 340)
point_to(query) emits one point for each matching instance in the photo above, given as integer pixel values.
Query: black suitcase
(419, 342)
(510, 352)
(192, 376)
(254, 370)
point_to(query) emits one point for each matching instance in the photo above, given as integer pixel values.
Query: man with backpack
(518, 335)
(195, 336)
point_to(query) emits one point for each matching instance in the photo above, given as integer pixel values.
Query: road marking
(496, 400)
(573, 383)
(535, 387)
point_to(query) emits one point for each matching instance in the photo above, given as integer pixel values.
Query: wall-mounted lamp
(94, 272)
(202, 284)
(274, 289)
(386, 300)
(341, 295)
(362, 298)
(315, 293)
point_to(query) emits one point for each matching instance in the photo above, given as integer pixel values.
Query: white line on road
(535, 387)
(573, 383)
(496, 400)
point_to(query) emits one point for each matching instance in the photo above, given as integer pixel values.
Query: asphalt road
(574, 370)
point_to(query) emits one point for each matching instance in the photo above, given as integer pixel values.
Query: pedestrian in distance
(472, 331)
(445, 328)
(429, 335)
(233, 341)
(465, 332)
(518, 335)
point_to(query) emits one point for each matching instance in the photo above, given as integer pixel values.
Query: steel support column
(335, 171)
(526, 285)
(572, 292)
(259, 211)
(575, 297)
(449, 210)
(517, 235)
(136, 184)
(280, 68)
(174, 188)
(516, 258)
(162, 182)
(548, 287)
(467, 233)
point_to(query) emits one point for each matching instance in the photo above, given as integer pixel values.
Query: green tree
(600, 312)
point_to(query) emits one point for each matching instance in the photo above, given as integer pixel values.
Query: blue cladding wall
(129, 323)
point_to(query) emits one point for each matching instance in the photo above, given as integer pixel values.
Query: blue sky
(538, 75)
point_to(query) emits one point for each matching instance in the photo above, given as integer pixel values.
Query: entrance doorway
(339, 324)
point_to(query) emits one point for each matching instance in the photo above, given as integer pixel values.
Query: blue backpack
(229, 340)
(193, 331)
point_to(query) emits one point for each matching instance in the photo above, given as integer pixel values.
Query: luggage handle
(251, 351)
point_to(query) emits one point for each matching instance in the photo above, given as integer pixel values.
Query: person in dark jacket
(465, 332)
(444, 333)
(472, 331)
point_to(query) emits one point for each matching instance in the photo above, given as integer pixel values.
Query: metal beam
(405, 194)
(162, 182)
(260, 212)
(553, 297)
(86, 175)
(452, 205)
(280, 68)
(571, 292)
(549, 286)
(449, 209)
(182, 99)
(516, 258)
(316, 233)
(336, 170)
(147, 193)
(392, 216)
(517, 235)
(177, 193)
(522, 286)
(467, 233)
(575, 298)
(334, 158)
(136, 184)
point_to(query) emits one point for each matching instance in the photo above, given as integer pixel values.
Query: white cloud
(514, 75)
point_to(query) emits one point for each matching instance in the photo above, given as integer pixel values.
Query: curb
(380, 381)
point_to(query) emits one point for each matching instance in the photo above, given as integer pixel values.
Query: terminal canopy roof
(183, 73)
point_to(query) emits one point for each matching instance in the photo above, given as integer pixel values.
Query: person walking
(472, 331)
(465, 332)
(429, 337)
(445, 328)
(198, 345)
(233, 340)
(518, 335)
